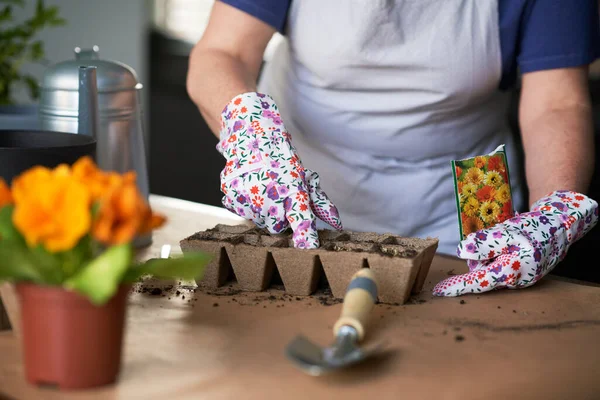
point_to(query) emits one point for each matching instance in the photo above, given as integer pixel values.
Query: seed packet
(483, 192)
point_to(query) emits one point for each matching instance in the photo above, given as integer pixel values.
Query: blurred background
(154, 37)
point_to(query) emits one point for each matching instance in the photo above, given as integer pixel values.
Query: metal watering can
(99, 98)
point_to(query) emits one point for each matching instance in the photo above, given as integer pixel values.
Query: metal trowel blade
(316, 360)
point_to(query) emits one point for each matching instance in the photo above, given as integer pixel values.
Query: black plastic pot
(22, 149)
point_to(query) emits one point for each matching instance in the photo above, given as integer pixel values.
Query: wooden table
(542, 342)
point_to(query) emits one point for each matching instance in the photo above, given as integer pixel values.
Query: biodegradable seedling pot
(428, 254)
(67, 341)
(395, 276)
(300, 270)
(401, 264)
(253, 266)
(341, 260)
(217, 270)
(219, 245)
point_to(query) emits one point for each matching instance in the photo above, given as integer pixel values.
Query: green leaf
(18, 45)
(73, 260)
(14, 2)
(49, 264)
(37, 50)
(8, 231)
(16, 263)
(188, 266)
(100, 278)
(32, 85)
(6, 14)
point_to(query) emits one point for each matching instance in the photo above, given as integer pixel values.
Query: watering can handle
(86, 54)
(87, 120)
(359, 300)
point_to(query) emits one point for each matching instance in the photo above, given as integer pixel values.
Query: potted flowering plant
(66, 243)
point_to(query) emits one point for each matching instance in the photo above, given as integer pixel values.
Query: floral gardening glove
(520, 251)
(263, 179)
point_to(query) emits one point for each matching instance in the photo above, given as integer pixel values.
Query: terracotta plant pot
(69, 342)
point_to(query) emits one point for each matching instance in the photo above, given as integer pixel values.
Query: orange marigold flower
(506, 213)
(123, 214)
(495, 163)
(151, 221)
(5, 195)
(458, 171)
(474, 176)
(51, 208)
(486, 193)
(96, 180)
(471, 224)
(479, 162)
(25, 184)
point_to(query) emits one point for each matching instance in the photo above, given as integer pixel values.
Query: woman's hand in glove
(520, 251)
(264, 180)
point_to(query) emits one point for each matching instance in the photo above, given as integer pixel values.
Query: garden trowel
(349, 330)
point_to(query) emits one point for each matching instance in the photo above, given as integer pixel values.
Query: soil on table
(231, 293)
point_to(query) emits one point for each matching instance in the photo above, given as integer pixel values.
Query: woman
(363, 107)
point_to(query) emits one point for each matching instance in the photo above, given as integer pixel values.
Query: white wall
(118, 27)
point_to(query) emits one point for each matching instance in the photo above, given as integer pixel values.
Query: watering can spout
(88, 102)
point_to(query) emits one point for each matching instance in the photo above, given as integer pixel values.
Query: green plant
(73, 227)
(19, 46)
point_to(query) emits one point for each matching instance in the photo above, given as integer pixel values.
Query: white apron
(380, 95)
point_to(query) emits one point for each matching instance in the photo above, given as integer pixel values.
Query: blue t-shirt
(534, 34)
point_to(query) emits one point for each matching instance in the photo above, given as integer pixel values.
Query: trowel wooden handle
(359, 300)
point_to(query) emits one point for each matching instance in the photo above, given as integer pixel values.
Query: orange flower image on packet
(483, 193)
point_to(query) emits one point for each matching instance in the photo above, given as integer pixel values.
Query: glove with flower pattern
(520, 251)
(264, 179)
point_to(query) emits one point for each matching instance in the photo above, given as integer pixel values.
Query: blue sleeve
(271, 12)
(558, 34)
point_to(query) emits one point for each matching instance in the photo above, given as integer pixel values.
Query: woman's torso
(379, 96)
